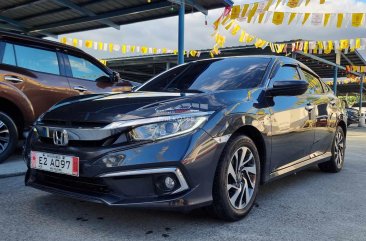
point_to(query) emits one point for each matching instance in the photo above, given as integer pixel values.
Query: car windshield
(210, 75)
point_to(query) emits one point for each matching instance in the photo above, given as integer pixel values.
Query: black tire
(335, 165)
(222, 206)
(12, 135)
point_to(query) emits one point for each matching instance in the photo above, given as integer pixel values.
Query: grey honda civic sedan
(206, 133)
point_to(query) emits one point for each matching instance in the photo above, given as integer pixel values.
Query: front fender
(19, 99)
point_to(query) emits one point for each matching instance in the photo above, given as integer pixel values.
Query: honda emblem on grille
(60, 137)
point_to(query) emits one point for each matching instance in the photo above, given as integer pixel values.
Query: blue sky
(163, 33)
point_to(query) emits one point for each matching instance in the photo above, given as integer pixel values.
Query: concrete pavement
(14, 166)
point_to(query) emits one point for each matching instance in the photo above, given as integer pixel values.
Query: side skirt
(299, 165)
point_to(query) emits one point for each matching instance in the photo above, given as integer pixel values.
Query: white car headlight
(169, 128)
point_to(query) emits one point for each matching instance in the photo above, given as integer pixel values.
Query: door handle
(13, 79)
(309, 107)
(80, 88)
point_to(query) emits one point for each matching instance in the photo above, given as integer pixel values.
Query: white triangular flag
(267, 17)
(299, 18)
(316, 19)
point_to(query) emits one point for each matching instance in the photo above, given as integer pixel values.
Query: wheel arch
(257, 137)
(343, 125)
(14, 112)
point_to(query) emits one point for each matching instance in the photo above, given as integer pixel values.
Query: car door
(87, 77)
(36, 72)
(324, 104)
(292, 132)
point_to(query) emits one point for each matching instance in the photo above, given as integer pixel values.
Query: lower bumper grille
(70, 183)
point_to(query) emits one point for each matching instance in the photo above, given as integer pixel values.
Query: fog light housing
(166, 183)
(169, 183)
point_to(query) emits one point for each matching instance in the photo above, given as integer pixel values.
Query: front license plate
(68, 165)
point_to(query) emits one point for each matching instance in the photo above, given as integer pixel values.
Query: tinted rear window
(37, 59)
(211, 75)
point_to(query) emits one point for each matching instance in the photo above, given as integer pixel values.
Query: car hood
(106, 108)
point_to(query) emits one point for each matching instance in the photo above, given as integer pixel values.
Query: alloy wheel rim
(241, 178)
(339, 149)
(4, 137)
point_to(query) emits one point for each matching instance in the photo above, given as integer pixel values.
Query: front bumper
(191, 159)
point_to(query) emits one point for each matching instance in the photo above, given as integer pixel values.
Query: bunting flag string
(339, 20)
(323, 46)
(258, 11)
(124, 48)
(360, 69)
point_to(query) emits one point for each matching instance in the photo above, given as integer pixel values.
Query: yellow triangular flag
(339, 20)
(326, 19)
(124, 49)
(88, 44)
(357, 19)
(110, 47)
(250, 38)
(252, 12)
(75, 42)
(235, 11)
(293, 3)
(344, 44)
(100, 45)
(63, 40)
(269, 3)
(320, 44)
(242, 36)
(224, 21)
(229, 25)
(133, 47)
(322, 1)
(306, 17)
(280, 48)
(260, 19)
(244, 11)
(358, 43)
(235, 30)
(306, 47)
(216, 23)
(292, 17)
(278, 18)
(307, 2)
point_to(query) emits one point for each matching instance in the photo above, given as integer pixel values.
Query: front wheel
(8, 136)
(335, 164)
(237, 179)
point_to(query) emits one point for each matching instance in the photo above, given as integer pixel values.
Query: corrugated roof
(54, 17)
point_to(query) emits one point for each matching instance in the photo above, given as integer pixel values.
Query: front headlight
(168, 128)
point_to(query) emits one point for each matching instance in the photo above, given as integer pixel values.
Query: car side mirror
(288, 88)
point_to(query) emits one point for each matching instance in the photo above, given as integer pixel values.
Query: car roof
(21, 38)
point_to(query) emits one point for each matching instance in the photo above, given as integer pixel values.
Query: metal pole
(361, 90)
(167, 65)
(181, 33)
(294, 55)
(335, 78)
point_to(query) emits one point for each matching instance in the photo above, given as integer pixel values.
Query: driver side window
(83, 69)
